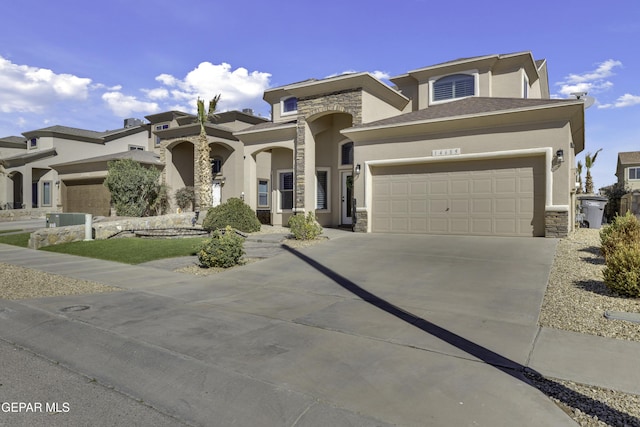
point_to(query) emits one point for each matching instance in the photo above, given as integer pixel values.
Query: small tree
(589, 160)
(579, 177)
(135, 189)
(185, 197)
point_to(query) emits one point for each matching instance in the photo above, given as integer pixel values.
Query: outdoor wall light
(358, 169)
(560, 155)
(223, 180)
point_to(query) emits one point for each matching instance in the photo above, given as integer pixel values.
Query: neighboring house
(628, 173)
(628, 170)
(30, 182)
(471, 146)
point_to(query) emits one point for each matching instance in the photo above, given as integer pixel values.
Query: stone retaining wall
(104, 230)
(21, 214)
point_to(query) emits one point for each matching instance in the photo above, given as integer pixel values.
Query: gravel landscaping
(575, 300)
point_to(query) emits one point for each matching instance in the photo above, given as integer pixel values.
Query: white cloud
(603, 71)
(30, 89)
(381, 75)
(239, 88)
(626, 100)
(125, 105)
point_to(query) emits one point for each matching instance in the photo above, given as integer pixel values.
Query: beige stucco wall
(498, 141)
(373, 108)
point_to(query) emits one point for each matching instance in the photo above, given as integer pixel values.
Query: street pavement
(361, 330)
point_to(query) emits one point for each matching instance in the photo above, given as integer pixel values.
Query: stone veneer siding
(343, 102)
(360, 221)
(556, 223)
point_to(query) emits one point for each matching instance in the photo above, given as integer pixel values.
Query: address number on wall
(445, 152)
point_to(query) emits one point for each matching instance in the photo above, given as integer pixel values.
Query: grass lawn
(130, 250)
(21, 239)
(10, 231)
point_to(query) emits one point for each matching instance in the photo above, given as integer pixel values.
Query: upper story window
(216, 165)
(160, 127)
(289, 105)
(452, 87)
(346, 153)
(33, 143)
(525, 87)
(634, 173)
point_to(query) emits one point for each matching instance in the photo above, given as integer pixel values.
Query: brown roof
(629, 157)
(467, 107)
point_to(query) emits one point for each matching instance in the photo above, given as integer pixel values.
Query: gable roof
(83, 135)
(629, 157)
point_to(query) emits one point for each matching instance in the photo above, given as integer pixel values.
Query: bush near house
(621, 249)
(624, 230)
(305, 227)
(135, 189)
(224, 249)
(235, 213)
(186, 197)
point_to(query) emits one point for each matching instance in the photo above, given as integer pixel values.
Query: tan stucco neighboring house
(628, 170)
(30, 182)
(471, 146)
(82, 186)
(628, 173)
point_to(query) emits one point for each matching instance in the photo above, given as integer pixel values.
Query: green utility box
(64, 219)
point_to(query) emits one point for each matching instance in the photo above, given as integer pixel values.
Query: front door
(346, 197)
(216, 196)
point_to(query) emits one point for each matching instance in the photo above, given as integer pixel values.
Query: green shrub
(186, 197)
(234, 213)
(305, 228)
(224, 249)
(624, 230)
(622, 273)
(135, 189)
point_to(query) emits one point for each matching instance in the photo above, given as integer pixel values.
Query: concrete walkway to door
(360, 330)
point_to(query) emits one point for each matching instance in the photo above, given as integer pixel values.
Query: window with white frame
(346, 153)
(33, 143)
(525, 87)
(634, 173)
(285, 188)
(452, 87)
(160, 127)
(46, 193)
(263, 193)
(322, 188)
(289, 105)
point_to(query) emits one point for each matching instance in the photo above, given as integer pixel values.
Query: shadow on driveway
(522, 373)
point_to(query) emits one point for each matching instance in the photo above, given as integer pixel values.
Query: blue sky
(90, 65)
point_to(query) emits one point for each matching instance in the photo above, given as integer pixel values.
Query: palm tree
(589, 160)
(204, 183)
(579, 177)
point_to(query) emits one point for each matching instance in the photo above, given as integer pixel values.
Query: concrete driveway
(360, 330)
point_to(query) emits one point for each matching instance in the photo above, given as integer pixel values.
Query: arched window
(454, 86)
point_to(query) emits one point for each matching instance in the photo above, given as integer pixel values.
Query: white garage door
(489, 197)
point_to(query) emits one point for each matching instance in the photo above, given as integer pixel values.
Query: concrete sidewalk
(357, 331)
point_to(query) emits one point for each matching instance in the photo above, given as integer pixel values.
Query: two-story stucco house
(628, 170)
(471, 146)
(29, 179)
(628, 173)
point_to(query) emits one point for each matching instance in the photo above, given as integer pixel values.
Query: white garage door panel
(489, 197)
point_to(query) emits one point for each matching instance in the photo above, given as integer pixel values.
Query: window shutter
(322, 190)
